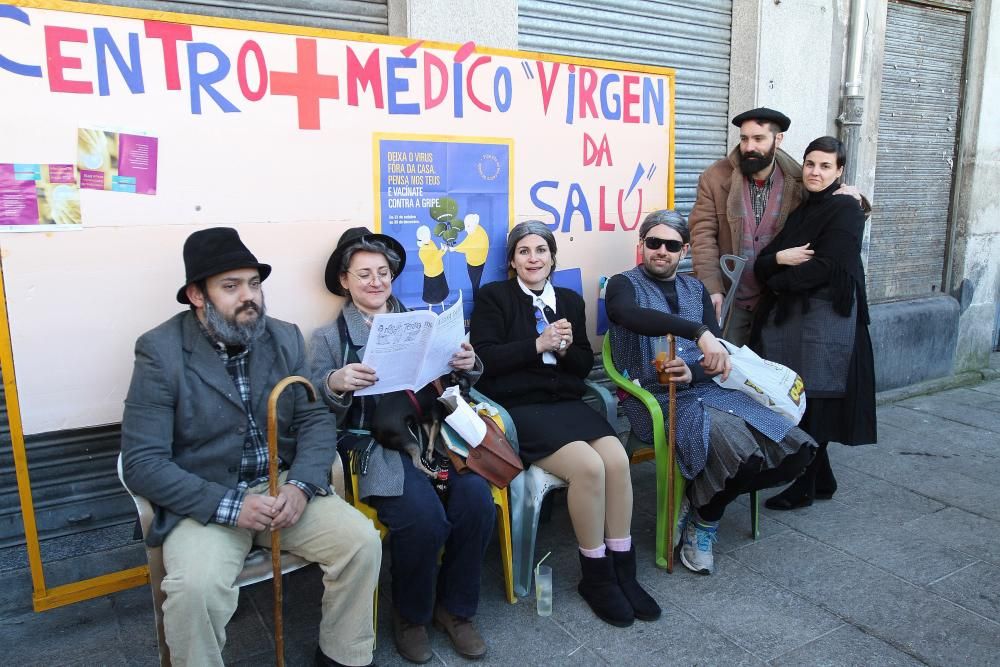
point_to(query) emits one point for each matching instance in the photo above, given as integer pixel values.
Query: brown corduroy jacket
(716, 221)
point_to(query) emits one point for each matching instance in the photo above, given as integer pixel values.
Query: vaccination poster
(448, 202)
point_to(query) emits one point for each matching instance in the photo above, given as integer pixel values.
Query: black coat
(503, 332)
(833, 225)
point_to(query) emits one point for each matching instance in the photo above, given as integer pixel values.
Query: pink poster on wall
(38, 196)
(117, 161)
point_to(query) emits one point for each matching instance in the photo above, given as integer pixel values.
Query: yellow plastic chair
(667, 481)
(256, 567)
(500, 501)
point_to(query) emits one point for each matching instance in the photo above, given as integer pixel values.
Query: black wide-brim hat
(351, 237)
(763, 114)
(209, 252)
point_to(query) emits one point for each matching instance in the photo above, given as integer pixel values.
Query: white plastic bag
(770, 384)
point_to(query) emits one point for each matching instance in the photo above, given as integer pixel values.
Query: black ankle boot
(800, 493)
(826, 483)
(643, 605)
(599, 588)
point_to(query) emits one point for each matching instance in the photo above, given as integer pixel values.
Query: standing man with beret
(193, 443)
(743, 201)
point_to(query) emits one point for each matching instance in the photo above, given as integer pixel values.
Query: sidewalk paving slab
(902, 567)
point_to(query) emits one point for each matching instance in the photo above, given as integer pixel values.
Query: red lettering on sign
(169, 34)
(368, 76)
(588, 84)
(548, 85)
(481, 60)
(253, 47)
(629, 98)
(54, 37)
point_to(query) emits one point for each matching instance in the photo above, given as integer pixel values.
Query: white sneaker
(682, 521)
(696, 549)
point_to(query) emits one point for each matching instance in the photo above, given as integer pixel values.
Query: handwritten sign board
(292, 135)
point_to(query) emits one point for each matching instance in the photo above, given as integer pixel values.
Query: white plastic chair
(528, 490)
(256, 567)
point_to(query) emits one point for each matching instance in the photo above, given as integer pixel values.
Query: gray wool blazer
(184, 423)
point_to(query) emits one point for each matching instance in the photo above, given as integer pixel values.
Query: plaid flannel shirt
(253, 462)
(759, 195)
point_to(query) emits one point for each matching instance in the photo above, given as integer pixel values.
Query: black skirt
(543, 428)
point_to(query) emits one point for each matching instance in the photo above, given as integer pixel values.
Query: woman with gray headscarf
(427, 585)
(533, 342)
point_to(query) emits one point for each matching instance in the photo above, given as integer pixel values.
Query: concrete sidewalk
(902, 567)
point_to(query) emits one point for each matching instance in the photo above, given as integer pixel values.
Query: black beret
(763, 114)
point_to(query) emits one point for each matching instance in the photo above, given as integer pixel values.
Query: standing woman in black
(814, 318)
(532, 339)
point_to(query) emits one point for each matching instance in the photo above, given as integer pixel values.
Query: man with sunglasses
(743, 201)
(727, 443)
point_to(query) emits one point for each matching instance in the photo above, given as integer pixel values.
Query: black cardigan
(503, 333)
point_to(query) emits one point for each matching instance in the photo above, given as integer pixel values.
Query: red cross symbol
(306, 84)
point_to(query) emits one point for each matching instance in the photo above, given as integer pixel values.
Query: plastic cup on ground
(543, 590)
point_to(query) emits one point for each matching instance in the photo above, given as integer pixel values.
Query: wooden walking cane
(671, 442)
(272, 488)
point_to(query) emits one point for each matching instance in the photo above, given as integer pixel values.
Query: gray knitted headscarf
(527, 228)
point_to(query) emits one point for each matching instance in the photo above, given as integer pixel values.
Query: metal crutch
(734, 273)
(272, 488)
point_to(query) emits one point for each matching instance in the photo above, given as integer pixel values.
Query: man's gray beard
(232, 332)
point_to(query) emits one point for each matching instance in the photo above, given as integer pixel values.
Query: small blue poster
(449, 203)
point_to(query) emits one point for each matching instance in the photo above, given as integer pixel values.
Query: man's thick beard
(232, 332)
(751, 165)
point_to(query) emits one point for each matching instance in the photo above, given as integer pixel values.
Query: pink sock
(599, 552)
(619, 544)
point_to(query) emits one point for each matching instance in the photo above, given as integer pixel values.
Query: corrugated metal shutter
(371, 16)
(917, 147)
(692, 36)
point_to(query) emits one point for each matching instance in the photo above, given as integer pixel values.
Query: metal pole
(852, 107)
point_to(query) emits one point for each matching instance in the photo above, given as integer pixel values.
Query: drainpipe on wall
(853, 101)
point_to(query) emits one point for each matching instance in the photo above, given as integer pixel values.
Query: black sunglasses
(654, 243)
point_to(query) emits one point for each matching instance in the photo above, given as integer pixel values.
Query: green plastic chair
(668, 482)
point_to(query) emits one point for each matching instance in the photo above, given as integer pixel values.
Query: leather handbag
(494, 458)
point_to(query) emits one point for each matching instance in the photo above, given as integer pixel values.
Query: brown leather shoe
(411, 639)
(463, 634)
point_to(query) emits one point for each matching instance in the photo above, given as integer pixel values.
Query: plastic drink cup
(543, 590)
(660, 347)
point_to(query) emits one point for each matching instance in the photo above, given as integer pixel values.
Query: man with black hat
(193, 443)
(743, 201)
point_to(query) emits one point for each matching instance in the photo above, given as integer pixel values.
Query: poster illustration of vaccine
(448, 201)
(116, 161)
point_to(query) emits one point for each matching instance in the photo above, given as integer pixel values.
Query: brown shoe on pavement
(463, 634)
(411, 639)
